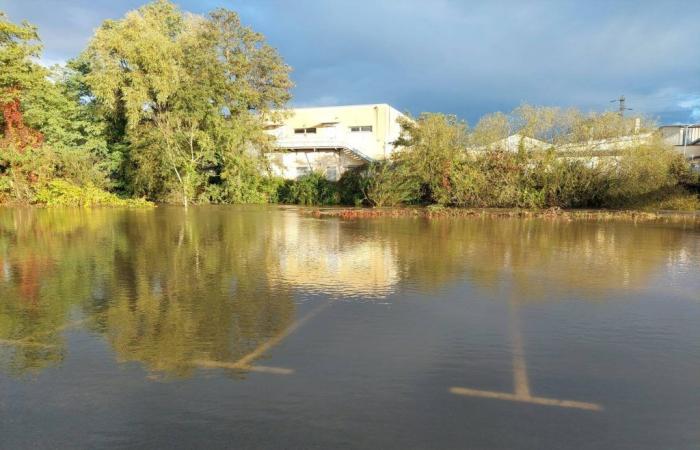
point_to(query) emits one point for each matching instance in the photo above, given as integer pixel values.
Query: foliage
(432, 146)
(674, 198)
(556, 126)
(21, 171)
(310, 189)
(456, 167)
(70, 124)
(19, 74)
(351, 185)
(47, 133)
(18, 46)
(194, 93)
(378, 184)
(644, 171)
(64, 193)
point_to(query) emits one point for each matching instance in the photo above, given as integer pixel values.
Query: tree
(429, 149)
(18, 75)
(491, 128)
(195, 93)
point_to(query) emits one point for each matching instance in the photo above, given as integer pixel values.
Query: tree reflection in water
(167, 288)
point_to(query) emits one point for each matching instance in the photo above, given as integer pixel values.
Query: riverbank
(431, 212)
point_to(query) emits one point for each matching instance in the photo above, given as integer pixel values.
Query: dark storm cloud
(461, 57)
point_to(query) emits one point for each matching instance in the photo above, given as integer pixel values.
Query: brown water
(246, 327)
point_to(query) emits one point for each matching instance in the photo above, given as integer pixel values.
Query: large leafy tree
(194, 93)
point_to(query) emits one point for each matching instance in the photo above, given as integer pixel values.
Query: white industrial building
(333, 139)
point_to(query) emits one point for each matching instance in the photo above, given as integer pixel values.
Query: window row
(362, 129)
(357, 129)
(305, 131)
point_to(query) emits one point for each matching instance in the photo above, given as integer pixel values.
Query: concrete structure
(333, 139)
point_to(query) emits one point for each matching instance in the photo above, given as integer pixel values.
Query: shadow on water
(217, 287)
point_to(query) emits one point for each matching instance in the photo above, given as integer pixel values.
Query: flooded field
(252, 327)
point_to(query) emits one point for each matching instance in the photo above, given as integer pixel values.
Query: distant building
(609, 145)
(333, 139)
(515, 142)
(684, 138)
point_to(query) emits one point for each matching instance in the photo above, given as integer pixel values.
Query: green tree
(19, 74)
(428, 149)
(195, 93)
(48, 131)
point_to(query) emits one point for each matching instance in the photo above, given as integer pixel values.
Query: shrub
(22, 171)
(351, 186)
(64, 193)
(379, 184)
(640, 172)
(570, 182)
(311, 189)
(675, 198)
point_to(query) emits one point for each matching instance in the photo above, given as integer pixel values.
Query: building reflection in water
(322, 256)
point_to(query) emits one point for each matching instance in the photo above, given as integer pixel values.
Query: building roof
(515, 141)
(681, 125)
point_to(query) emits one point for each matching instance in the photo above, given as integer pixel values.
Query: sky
(460, 57)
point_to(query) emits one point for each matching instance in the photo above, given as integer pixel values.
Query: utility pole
(622, 108)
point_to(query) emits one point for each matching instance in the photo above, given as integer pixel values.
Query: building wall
(336, 122)
(676, 134)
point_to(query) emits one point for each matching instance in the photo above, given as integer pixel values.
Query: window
(303, 170)
(305, 131)
(362, 129)
(332, 173)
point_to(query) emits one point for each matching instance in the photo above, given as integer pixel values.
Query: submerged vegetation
(172, 107)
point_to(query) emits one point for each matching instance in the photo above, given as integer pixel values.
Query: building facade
(331, 140)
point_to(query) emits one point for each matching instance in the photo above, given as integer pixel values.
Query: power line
(622, 107)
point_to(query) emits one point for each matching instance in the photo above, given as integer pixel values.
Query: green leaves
(19, 44)
(194, 92)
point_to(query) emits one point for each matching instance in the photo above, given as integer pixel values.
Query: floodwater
(253, 327)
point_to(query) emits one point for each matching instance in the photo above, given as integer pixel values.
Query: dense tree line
(533, 157)
(161, 104)
(171, 107)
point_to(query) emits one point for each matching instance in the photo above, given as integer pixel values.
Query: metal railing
(312, 142)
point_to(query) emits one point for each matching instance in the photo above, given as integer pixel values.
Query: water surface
(253, 327)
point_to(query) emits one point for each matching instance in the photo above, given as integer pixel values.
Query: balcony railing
(320, 142)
